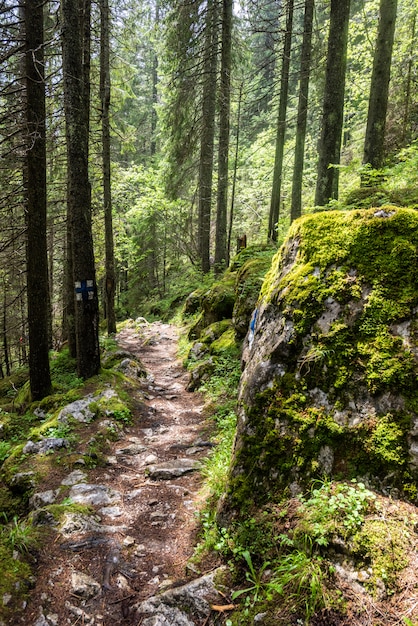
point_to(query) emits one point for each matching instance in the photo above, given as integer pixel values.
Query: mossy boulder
(226, 344)
(218, 302)
(216, 305)
(331, 362)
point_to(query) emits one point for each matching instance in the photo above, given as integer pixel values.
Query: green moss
(214, 331)
(226, 344)
(383, 546)
(286, 439)
(111, 407)
(387, 441)
(218, 302)
(14, 582)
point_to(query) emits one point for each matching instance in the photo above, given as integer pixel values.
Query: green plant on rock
(335, 509)
(260, 585)
(20, 535)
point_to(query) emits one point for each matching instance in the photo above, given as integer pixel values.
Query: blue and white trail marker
(84, 290)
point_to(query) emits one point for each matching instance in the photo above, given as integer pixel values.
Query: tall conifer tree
(333, 104)
(36, 250)
(76, 100)
(379, 88)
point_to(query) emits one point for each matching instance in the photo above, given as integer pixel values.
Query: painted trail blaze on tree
(76, 101)
(84, 290)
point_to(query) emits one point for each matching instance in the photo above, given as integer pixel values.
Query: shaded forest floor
(142, 528)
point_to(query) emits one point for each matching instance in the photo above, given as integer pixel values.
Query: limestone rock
(331, 359)
(84, 586)
(178, 606)
(43, 498)
(96, 495)
(172, 469)
(48, 444)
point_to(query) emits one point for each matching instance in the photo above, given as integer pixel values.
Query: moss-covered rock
(218, 302)
(331, 361)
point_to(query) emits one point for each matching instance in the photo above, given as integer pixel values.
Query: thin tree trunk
(154, 89)
(406, 121)
(234, 178)
(207, 135)
(305, 63)
(374, 142)
(84, 275)
(221, 249)
(281, 127)
(107, 192)
(36, 250)
(5, 339)
(333, 105)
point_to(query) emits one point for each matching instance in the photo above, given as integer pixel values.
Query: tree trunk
(305, 63)
(154, 89)
(207, 135)
(110, 280)
(221, 251)
(36, 250)
(234, 178)
(333, 105)
(408, 86)
(374, 142)
(79, 210)
(281, 127)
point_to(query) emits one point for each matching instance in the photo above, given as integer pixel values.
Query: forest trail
(145, 499)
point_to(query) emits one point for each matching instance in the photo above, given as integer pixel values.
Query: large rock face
(329, 386)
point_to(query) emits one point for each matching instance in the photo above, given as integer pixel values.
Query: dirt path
(143, 530)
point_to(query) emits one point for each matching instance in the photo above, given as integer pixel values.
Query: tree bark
(374, 143)
(305, 63)
(207, 137)
(234, 177)
(221, 248)
(281, 126)
(333, 104)
(110, 280)
(79, 201)
(36, 248)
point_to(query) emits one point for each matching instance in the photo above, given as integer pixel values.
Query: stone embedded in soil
(96, 495)
(194, 598)
(75, 477)
(45, 445)
(84, 586)
(172, 469)
(111, 511)
(43, 498)
(76, 523)
(132, 449)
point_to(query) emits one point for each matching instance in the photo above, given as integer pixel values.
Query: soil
(151, 534)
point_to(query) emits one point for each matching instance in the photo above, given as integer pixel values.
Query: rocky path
(102, 566)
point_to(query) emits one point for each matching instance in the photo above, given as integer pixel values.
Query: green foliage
(63, 372)
(335, 509)
(4, 450)
(216, 466)
(20, 535)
